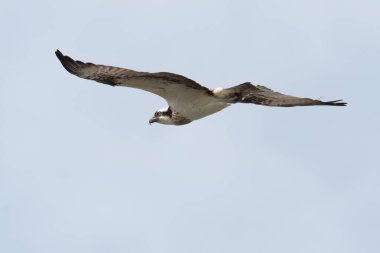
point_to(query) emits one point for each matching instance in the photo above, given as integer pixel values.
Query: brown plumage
(261, 95)
(187, 99)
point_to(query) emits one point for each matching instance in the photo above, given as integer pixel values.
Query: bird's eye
(156, 114)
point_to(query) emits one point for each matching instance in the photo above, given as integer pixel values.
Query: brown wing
(261, 95)
(172, 87)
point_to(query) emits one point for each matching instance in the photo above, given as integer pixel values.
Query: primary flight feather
(187, 100)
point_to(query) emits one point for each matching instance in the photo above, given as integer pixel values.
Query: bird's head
(162, 116)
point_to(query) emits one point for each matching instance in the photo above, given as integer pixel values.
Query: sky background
(81, 170)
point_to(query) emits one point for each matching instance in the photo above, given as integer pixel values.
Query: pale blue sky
(81, 170)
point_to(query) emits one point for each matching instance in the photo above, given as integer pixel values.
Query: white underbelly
(196, 106)
(199, 112)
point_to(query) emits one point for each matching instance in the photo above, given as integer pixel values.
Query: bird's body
(188, 100)
(201, 106)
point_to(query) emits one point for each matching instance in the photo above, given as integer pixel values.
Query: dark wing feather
(172, 87)
(261, 95)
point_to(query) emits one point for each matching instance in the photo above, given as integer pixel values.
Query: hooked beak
(153, 120)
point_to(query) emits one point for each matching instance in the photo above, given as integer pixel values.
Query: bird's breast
(201, 111)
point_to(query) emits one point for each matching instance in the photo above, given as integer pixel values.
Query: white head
(163, 116)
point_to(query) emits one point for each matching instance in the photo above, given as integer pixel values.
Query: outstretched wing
(261, 95)
(177, 90)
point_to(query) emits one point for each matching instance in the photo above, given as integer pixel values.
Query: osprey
(187, 100)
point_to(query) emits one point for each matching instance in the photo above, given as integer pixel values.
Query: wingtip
(69, 64)
(339, 102)
(59, 54)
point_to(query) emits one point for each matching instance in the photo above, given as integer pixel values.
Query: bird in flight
(187, 100)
